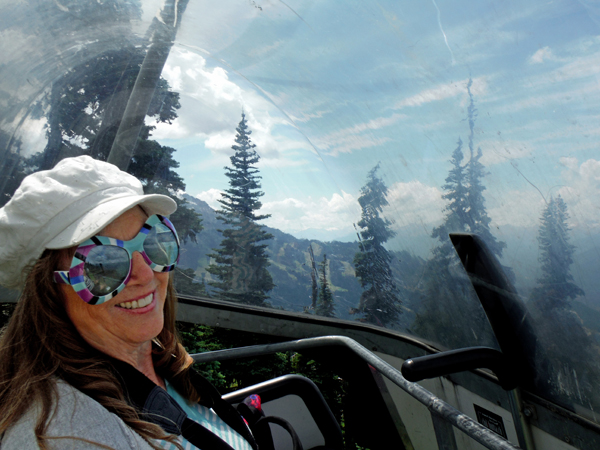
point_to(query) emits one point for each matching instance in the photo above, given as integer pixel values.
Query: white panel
(466, 399)
(416, 417)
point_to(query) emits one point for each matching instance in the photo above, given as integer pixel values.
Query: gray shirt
(76, 416)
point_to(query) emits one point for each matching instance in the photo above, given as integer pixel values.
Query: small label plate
(490, 420)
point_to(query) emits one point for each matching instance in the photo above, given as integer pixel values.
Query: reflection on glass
(160, 245)
(374, 135)
(106, 267)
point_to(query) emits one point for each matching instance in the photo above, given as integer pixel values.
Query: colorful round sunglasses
(101, 266)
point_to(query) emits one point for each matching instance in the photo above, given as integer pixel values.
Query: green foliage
(326, 303)
(199, 339)
(237, 374)
(556, 285)
(379, 302)
(241, 262)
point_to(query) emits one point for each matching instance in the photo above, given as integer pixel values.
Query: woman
(91, 349)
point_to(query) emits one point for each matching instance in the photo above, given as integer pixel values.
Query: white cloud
(518, 208)
(266, 50)
(338, 212)
(582, 62)
(543, 54)
(570, 163)
(444, 91)
(33, 136)
(582, 191)
(211, 196)
(211, 106)
(414, 203)
(305, 117)
(496, 152)
(555, 99)
(357, 137)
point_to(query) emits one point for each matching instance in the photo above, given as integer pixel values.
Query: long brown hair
(40, 344)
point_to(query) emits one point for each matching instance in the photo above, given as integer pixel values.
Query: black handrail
(460, 360)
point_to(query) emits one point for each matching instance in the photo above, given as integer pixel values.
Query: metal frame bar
(467, 425)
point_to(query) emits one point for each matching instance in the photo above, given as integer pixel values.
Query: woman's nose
(141, 273)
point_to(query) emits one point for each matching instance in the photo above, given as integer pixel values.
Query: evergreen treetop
(449, 304)
(477, 218)
(241, 262)
(457, 208)
(242, 197)
(556, 284)
(380, 302)
(326, 303)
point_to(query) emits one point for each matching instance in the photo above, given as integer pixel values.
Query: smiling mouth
(140, 303)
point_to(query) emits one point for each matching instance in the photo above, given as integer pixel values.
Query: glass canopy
(331, 147)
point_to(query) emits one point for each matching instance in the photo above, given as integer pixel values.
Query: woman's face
(111, 327)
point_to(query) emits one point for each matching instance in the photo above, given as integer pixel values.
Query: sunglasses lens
(161, 245)
(106, 267)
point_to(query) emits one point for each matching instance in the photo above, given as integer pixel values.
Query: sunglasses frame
(75, 276)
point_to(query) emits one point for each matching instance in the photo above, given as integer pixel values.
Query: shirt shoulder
(78, 423)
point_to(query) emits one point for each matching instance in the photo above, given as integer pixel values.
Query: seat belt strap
(158, 407)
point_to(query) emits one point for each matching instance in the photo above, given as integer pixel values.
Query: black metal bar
(460, 360)
(504, 308)
(467, 425)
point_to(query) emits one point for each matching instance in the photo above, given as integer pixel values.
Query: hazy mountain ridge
(290, 263)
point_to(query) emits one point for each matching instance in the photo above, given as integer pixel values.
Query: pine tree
(477, 217)
(457, 208)
(313, 278)
(241, 262)
(449, 312)
(326, 303)
(380, 302)
(567, 363)
(448, 299)
(556, 284)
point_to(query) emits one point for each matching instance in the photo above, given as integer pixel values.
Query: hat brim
(91, 222)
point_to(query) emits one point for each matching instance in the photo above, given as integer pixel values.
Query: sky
(329, 91)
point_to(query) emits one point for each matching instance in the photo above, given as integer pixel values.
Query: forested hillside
(291, 265)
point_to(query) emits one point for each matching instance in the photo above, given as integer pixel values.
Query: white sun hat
(63, 207)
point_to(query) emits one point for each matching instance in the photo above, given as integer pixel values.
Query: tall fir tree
(456, 209)
(567, 363)
(477, 217)
(326, 303)
(83, 110)
(449, 312)
(241, 262)
(556, 286)
(380, 301)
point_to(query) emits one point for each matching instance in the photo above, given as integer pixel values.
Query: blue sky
(332, 88)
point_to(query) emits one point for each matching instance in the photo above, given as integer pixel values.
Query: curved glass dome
(331, 147)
